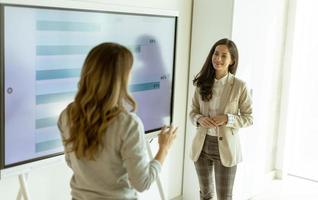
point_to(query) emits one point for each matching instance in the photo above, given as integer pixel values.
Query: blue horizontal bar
(144, 86)
(47, 50)
(136, 48)
(52, 98)
(57, 97)
(57, 74)
(48, 145)
(50, 133)
(46, 122)
(45, 25)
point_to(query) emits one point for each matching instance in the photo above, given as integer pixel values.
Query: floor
(292, 188)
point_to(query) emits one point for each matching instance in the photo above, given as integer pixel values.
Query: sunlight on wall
(303, 96)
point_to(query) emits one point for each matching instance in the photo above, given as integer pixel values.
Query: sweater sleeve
(141, 172)
(61, 127)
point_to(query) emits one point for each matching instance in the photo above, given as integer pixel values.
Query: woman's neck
(220, 75)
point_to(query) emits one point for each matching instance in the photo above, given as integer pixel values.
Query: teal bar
(52, 98)
(57, 97)
(45, 25)
(57, 74)
(136, 49)
(49, 50)
(46, 122)
(144, 86)
(48, 145)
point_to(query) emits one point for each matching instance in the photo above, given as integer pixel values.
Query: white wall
(259, 31)
(212, 20)
(52, 182)
(299, 100)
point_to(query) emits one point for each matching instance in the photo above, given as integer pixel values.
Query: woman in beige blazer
(220, 106)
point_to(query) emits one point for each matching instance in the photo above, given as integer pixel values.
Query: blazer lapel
(226, 92)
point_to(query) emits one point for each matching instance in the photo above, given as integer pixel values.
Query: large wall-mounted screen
(42, 52)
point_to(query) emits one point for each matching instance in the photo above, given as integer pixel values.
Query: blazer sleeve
(244, 118)
(195, 108)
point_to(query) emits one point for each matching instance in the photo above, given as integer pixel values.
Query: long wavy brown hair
(205, 78)
(102, 93)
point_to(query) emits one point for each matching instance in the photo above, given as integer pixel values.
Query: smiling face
(221, 59)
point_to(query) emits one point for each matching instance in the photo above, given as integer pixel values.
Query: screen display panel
(43, 53)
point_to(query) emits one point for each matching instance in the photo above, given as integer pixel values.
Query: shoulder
(62, 123)
(130, 122)
(129, 118)
(197, 90)
(238, 82)
(62, 120)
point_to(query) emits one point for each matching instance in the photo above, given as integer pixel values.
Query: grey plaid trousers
(212, 174)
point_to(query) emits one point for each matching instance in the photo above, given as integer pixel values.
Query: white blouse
(214, 105)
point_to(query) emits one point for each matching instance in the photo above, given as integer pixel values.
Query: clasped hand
(212, 122)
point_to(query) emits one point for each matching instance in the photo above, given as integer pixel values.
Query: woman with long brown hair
(104, 142)
(220, 107)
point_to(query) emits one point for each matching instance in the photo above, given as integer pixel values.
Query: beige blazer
(235, 100)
